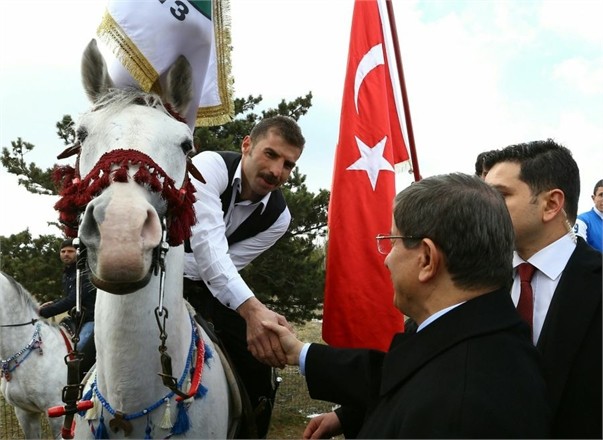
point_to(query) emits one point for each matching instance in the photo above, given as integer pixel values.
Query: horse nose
(88, 230)
(150, 229)
(120, 234)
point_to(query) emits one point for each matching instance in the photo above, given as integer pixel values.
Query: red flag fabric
(358, 303)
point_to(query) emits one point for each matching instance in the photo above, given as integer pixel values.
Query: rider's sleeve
(210, 260)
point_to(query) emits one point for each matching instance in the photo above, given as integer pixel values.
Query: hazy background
(479, 75)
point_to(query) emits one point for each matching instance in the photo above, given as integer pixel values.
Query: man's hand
(323, 426)
(47, 303)
(263, 344)
(289, 343)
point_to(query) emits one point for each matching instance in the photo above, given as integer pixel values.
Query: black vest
(258, 221)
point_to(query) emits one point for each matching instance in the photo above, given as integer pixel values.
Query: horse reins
(32, 322)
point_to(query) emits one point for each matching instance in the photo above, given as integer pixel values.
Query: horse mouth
(120, 288)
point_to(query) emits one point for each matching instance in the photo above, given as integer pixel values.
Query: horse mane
(121, 98)
(22, 292)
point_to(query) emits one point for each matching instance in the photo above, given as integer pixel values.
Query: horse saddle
(69, 326)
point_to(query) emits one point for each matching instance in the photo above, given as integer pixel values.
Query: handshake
(289, 344)
(325, 425)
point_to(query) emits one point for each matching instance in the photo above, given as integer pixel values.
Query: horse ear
(179, 82)
(95, 76)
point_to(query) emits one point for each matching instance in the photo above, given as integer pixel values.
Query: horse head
(130, 189)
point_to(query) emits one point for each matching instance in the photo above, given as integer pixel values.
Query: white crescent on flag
(371, 158)
(373, 58)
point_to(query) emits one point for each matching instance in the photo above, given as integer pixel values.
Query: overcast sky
(479, 75)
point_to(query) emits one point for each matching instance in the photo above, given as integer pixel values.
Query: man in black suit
(470, 370)
(540, 182)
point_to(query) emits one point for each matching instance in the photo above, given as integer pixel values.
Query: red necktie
(525, 306)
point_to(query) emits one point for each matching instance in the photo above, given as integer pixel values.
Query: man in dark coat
(470, 370)
(540, 181)
(68, 301)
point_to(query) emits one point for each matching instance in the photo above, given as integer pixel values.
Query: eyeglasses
(386, 242)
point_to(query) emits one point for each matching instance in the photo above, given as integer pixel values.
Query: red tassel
(120, 175)
(155, 183)
(76, 193)
(142, 176)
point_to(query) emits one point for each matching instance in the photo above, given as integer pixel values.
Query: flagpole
(411, 137)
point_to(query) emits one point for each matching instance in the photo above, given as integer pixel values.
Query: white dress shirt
(549, 262)
(212, 260)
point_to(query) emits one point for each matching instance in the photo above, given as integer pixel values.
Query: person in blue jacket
(589, 224)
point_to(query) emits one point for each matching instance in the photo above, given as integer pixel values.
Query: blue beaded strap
(164, 399)
(35, 343)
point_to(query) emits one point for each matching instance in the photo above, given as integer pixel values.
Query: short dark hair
(468, 220)
(67, 243)
(481, 162)
(599, 184)
(545, 165)
(284, 126)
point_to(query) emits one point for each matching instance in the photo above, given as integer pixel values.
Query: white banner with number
(144, 38)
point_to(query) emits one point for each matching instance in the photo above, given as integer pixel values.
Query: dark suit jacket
(69, 299)
(472, 373)
(570, 344)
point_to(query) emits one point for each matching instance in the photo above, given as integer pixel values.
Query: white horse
(132, 195)
(32, 355)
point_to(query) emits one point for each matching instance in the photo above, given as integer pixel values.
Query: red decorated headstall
(113, 166)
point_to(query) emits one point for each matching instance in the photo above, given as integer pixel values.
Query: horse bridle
(32, 322)
(114, 166)
(34, 344)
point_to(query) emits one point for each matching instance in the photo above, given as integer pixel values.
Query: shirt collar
(236, 183)
(552, 259)
(436, 315)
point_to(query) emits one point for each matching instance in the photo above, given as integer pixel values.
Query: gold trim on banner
(223, 112)
(126, 52)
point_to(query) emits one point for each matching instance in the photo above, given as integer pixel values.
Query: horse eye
(81, 134)
(139, 100)
(187, 146)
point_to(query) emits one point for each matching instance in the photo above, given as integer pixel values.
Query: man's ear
(430, 261)
(554, 201)
(246, 144)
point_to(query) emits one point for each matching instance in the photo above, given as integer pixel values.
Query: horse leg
(30, 423)
(56, 426)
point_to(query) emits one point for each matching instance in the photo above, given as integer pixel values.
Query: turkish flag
(358, 303)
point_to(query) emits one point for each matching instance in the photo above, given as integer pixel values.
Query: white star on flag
(371, 160)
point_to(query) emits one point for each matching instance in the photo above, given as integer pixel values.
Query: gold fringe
(145, 74)
(224, 112)
(126, 52)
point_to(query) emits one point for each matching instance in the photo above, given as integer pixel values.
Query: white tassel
(92, 413)
(166, 421)
(194, 363)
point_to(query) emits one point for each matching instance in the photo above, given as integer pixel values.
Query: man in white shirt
(241, 212)
(540, 182)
